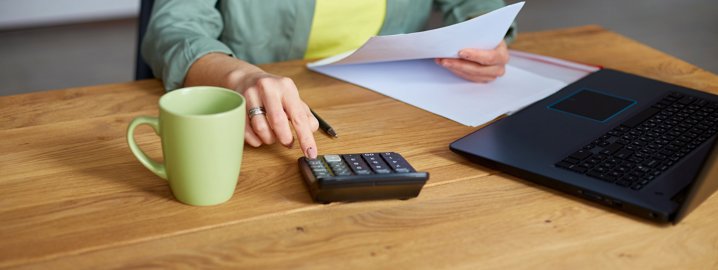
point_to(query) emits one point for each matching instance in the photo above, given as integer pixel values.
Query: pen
(324, 125)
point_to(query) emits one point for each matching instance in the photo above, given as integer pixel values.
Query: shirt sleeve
(456, 11)
(179, 33)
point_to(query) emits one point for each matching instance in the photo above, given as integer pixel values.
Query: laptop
(631, 143)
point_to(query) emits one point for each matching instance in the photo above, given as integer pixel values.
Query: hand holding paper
(478, 65)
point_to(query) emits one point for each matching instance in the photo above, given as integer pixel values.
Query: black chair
(142, 70)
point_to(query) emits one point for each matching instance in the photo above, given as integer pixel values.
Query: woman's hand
(285, 110)
(478, 65)
(274, 101)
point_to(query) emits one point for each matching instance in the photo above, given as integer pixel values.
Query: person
(219, 43)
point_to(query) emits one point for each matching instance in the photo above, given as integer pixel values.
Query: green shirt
(265, 31)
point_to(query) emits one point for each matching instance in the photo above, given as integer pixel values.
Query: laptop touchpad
(593, 105)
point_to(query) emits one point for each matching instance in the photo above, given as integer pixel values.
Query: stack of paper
(402, 67)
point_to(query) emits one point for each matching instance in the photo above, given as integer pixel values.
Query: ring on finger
(256, 111)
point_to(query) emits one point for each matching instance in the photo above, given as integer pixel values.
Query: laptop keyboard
(641, 148)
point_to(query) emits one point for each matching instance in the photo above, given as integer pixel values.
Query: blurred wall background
(53, 44)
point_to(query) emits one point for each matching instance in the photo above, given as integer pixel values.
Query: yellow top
(342, 25)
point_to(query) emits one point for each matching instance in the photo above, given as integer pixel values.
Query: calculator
(358, 177)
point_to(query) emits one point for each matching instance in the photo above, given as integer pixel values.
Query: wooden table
(73, 196)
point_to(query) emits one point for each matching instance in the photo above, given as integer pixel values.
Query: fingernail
(290, 144)
(311, 153)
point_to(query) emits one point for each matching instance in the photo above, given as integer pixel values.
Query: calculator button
(351, 158)
(399, 166)
(376, 163)
(319, 170)
(390, 155)
(340, 169)
(314, 162)
(396, 162)
(318, 166)
(371, 158)
(332, 158)
(319, 174)
(343, 172)
(357, 164)
(338, 166)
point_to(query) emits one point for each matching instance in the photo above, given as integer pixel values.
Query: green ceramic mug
(202, 133)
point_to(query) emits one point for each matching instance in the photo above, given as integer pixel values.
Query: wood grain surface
(72, 196)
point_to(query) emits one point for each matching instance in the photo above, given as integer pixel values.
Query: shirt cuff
(184, 55)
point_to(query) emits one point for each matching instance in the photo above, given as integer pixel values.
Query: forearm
(222, 70)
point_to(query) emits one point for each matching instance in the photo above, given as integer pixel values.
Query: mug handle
(154, 166)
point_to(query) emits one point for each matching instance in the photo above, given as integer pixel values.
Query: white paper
(402, 67)
(483, 32)
(426, 85)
